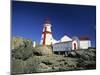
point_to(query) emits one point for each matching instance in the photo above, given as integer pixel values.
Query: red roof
(84, 38)
(47, 21)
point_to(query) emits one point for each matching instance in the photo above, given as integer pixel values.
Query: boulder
(40, 50)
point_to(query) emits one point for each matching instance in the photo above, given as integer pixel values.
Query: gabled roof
(65, 38)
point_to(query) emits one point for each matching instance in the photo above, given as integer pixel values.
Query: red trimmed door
(74, 45)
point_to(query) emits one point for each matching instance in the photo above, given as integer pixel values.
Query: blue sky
(71, 20)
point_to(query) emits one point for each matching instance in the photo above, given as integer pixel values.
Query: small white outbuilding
(85, 42)
(34, 44)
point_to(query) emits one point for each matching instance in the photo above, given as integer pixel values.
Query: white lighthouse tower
(47, 38)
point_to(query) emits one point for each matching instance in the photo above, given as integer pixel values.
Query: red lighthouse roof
(47, 21)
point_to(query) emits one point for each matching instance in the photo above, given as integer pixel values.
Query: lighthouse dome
(47, 22)
(65, 39)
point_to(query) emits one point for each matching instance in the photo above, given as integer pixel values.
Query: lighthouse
(46, 38)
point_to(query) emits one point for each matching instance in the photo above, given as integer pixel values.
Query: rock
(43, 50)
(72, 54)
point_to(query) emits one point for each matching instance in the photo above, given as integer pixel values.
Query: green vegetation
(18, 42)
(26, 59)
